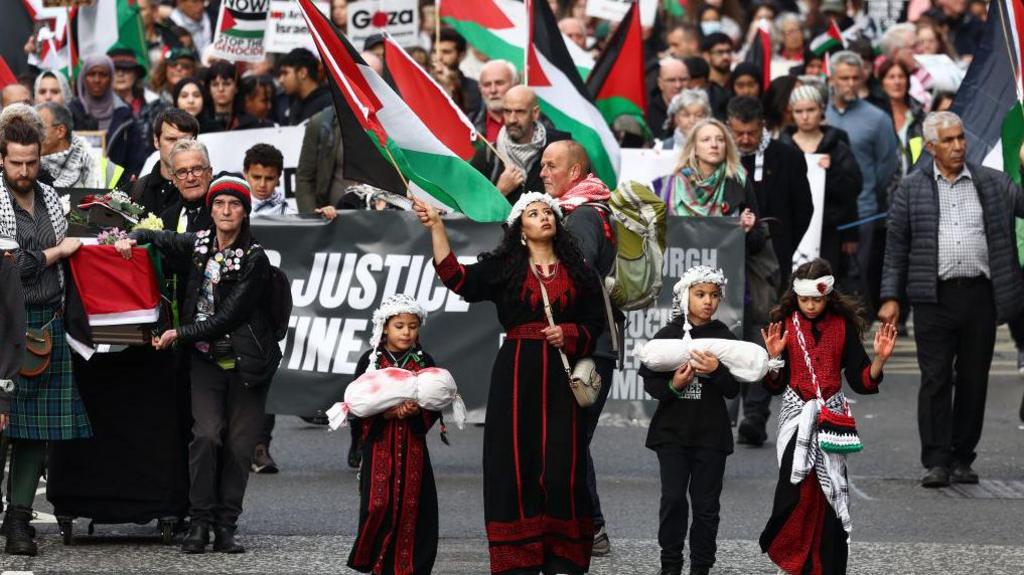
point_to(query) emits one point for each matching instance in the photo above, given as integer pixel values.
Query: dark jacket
(126, 148)
(317, 158)
(239, 314)
(699, 419)
(657, 113)
(784, 196)
(488, 164)
(83, 121)
(153, 192)
(472, 102)
(12, 328)
(592, 227)
(843, 183)
(303, 109)
(911, 267)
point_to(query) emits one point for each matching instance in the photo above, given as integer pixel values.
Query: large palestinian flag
(386, 144)
(759, 52)
(498, 28)
(563, 97)
(617, 82)
(989, 97)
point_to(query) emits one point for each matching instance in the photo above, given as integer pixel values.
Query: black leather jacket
(238, 315)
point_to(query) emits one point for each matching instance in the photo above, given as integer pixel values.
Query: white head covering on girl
(817, 287)
(681, 291)
(389, 308)
(528, 198)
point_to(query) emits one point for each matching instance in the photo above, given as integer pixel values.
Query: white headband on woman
(389, 308)
(529, 198)
(814, 287)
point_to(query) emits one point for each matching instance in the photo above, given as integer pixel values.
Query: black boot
(3, 528)
(197, 539)
(699, 570)
(671, 570)
(224, 540)
(19, 539)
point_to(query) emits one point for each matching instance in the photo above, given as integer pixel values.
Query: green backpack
(639, 216)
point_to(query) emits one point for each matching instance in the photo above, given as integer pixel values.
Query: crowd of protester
(868, 111)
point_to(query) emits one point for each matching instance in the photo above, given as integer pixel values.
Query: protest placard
(241, 30)
(287, 29)
(400, 18)
(614, 10)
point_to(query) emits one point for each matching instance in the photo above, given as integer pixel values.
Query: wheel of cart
(66, 523)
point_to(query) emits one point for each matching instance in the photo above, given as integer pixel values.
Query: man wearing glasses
(191, 174)
(673, 77)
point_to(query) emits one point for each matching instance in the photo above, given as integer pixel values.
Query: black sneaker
(602, 546)
(751, 434)
(937, 476)
(262, 462)
(962, 473)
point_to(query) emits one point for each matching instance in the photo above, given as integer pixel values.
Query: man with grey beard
(520, 143)
(496, 77)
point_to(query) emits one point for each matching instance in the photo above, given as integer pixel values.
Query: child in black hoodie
(690, 430)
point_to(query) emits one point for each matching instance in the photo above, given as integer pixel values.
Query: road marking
(859, 492)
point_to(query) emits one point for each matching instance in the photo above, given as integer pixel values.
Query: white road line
(859, 492)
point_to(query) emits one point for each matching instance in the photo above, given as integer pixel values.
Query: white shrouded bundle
(375, 392)
(746, 361)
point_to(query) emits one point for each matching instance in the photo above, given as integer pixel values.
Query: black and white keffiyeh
(71, 168)
(9, 223)
(523, 156)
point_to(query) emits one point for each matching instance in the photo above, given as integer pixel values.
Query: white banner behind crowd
(614, 10)
(287, 29)
(400, 18)
(241, 30)
(810, 244)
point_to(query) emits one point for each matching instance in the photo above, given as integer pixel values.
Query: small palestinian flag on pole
(617, 82)
(760, 52)
(830, 41)
(564, 99)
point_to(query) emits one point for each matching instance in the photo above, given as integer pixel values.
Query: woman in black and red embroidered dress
(397, 495)
(536, 503)
(819, 330)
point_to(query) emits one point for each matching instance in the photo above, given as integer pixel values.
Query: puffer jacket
(911, 265)
(239, 315)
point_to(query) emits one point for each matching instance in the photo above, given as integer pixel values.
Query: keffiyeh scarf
(588, 190)
(272, 205)
(523, 155)
(9, 223)
(691, 195)
(72, 167)
(798, 417)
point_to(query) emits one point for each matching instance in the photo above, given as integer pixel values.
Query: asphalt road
(302, 520)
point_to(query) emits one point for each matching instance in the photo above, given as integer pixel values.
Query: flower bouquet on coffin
(114, 209)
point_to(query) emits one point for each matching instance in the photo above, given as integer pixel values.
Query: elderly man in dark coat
(951, 252)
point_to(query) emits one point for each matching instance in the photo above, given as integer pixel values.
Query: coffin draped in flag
(988, 101)
(617, 82)
(386, 144)
(563, 97)
(113, 290)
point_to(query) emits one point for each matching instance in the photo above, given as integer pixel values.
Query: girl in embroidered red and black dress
(398, 498)
(536, 503)
(819, 329)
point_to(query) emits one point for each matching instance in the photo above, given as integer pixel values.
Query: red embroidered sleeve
(870, 385)
(577, 339)
(451, 272)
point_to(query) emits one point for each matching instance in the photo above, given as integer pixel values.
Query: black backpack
(277, 301)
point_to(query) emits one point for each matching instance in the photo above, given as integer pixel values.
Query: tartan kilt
(48, 407)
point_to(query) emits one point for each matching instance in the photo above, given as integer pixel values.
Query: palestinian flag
(386, 144)
(498, 28)
(563, 97)
(237, 24)
(760, 52)
(829, 41)
(431, 103)
(7, 77)
(988, 101)
(617, 82)
(113, 290)
(675, 8)
(95, 35)
(57, 48)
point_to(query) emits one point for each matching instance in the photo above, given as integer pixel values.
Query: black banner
(340, 272)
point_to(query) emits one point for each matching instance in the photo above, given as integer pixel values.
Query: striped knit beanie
(806, 93)
(233, 186)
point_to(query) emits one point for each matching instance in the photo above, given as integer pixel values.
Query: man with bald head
(673, 77)
(519, 143)
(565, 171)
(15, 94)
(496, 77)
(575, 30)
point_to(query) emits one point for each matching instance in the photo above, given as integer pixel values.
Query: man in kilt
(44, 406)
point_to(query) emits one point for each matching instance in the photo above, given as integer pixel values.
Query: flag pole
(504, 159)
(394, 163)
(529, 42)
(1009, 56)
(437, 26)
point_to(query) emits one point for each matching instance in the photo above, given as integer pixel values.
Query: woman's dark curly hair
(515, 258)
(836, 303)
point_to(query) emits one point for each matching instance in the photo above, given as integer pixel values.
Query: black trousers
(955, 340)
(606, 369)
(228, 423)
(267, 431)
(699, 471)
